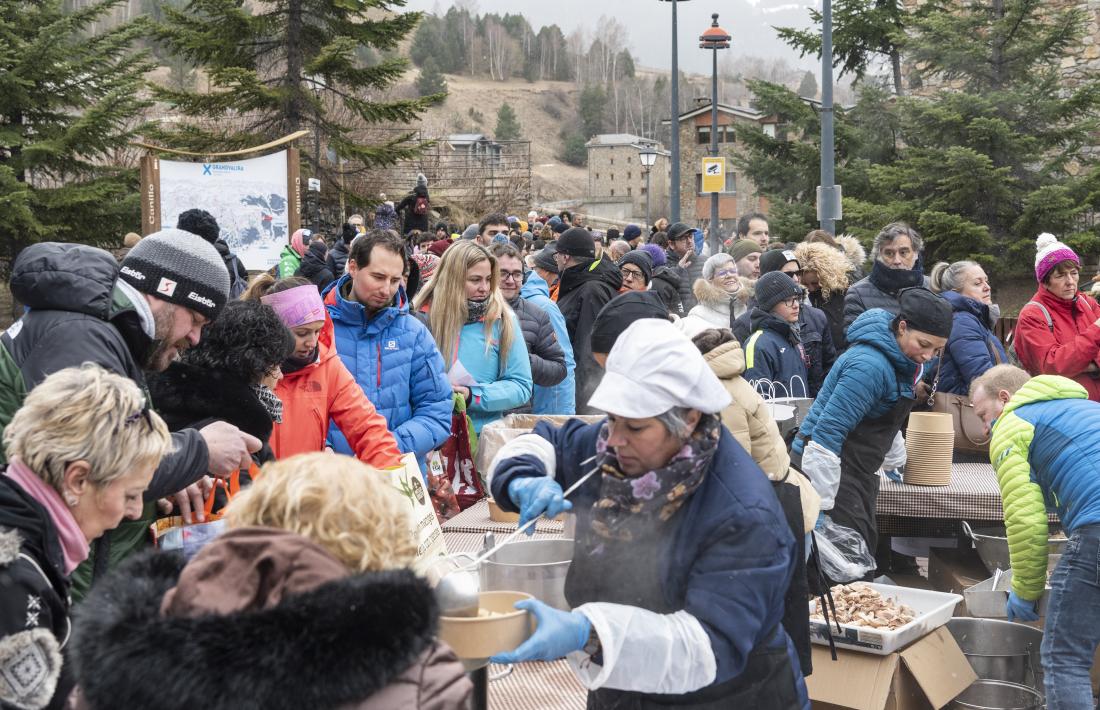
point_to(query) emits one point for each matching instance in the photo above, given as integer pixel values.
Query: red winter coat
(1070, 349)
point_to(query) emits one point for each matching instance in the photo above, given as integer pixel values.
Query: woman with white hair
(682, 555)
(722, 296)
(82, 450)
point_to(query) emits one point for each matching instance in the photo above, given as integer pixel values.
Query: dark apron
(860, 459)
(631, 573)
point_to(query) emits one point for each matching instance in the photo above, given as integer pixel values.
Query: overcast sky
(750, 23)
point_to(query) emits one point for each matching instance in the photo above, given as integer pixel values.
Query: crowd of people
(146, 383)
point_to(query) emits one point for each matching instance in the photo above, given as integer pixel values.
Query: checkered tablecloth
(972, 495)
(536, 686)
(475, 519)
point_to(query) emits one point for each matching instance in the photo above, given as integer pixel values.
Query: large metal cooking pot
(992, 546)
(1000, 650)
(537, 567)
(997, 695)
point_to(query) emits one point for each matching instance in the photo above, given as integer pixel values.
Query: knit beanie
(773, 288)
(714, 263)
(421, 180)
(640, 259)
(923, 310)
(742, 248)
(1049, 253)
(656, 253)
(427, 264)
(545, 258)
(178, 267)
(620, 312)
(776, 259)
(577, 241)
(632, 231)
(471, 231)
(199, 222)
(439, 246)
(560, 227)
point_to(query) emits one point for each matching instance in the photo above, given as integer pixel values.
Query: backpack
(1013, 358)
(237, 285)
(421, 205)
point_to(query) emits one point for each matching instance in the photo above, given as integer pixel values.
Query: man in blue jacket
(391, 354)
(559, 398)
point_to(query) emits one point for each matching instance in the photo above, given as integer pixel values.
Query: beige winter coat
(750, 423)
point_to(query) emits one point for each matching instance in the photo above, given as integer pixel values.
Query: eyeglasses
(511, 275)
(725, 272)
(791, 302)
(631, 273)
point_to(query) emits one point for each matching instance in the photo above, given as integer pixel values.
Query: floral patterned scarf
(628, 504)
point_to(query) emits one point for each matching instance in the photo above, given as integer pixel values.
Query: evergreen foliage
(431, 81)
(507, 124)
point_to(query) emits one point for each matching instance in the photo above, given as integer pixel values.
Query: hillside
(534, 104)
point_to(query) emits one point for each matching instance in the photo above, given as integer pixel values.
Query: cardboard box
(926, 675)
(954, 571)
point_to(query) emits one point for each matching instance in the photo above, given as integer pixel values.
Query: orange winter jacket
(324, 391)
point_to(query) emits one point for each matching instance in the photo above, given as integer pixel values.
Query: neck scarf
(74, 546)
(475, 310)
(270, 402)
(892, 281)
(293, 364)
(628, 505)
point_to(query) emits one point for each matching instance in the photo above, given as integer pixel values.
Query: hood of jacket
(668, 275)
(248, 595)
(872, 328)
(186, 394)
(599, 271)
(1044, 388)
(892, 281)
(853, 250)
(762, 320)
(1068, 308)
(962, 304)
(347, 311)
(66, 277)
(535, 285)
(314, 260)
(22, 514)
(727, 360)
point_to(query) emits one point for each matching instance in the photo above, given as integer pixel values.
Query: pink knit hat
(1049, 253)
(299, 241)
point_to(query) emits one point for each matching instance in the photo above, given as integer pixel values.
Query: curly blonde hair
(830, 264)
(348, 508)
(86, 414)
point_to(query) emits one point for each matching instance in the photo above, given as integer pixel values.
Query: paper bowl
(498, 515)
(481, 637)
(932, 422)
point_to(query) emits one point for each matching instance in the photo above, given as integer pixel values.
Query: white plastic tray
(933, 610)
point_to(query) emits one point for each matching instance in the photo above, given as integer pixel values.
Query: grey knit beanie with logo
(181, 268)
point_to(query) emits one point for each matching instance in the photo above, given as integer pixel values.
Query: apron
(860, 459)
(632, 573)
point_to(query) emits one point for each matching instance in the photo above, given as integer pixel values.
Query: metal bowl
(997, 695)
(1000, 650)
(992, 546)
(537, 567)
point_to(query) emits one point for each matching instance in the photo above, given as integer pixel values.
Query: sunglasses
(792, 274)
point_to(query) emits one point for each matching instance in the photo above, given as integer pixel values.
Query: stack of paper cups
(929, 444)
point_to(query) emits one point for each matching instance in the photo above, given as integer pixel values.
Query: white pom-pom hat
(1049, 252)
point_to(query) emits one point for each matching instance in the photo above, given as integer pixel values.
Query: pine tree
(286, 65)
(807, 88)
(430, 81)
(69, 100)
(507, 124)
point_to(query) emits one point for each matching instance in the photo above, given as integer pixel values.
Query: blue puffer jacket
(771, 355)
(731, 556)
(559, 399)
(970, 348)
(866, 381)
(394, 359)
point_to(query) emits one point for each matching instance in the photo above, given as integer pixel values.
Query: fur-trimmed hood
(855, 252)
(187, 395)
(280, 631)
(708, 293)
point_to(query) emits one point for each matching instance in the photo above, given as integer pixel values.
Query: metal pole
(827, 211)
(715, 246)
(648, 220)
(674, 123)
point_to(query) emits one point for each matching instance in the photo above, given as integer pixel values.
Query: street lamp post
(674, 124)
(828, 193)
(647, 156)
(714, 38)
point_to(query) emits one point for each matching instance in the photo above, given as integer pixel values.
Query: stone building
(617, 180)
(740, 195)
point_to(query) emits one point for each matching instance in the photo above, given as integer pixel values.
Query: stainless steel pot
(997, 695)
(992, 546)
(1000, 650)
(537, 567)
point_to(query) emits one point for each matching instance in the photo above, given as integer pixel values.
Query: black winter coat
(232, 263)
(833, 308)
(412, 219)
(337, 259)
(668, 283)
(582, 291)
(879, 290)
(34, 603)
(817, 342)
(687, 298)
(547, 358)
(314, 266)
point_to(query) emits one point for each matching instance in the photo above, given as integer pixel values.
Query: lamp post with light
(714, 38)
(647, 156)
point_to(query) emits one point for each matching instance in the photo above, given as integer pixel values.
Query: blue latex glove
(893, 474)
(1018, 609)
(820, 524)
(536, 495)
(558, 633)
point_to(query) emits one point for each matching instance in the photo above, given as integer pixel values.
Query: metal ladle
(457, 590)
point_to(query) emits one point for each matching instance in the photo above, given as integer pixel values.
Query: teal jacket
(501, 386)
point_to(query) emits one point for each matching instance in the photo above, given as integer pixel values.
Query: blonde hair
(445, 295)
(1000, 377)
(830, 265)
(86, 414)
(338, 502)
(949, 277)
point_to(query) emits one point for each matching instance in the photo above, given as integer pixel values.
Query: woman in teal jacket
(477, 333)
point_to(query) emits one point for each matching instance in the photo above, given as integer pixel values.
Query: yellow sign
(714, 174)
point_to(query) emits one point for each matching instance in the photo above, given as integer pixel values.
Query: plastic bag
(842, 552)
